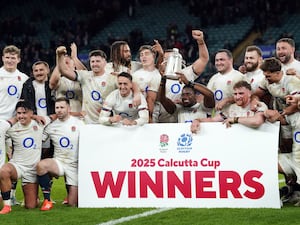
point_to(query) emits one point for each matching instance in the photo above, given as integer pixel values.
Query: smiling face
(273, 77)
(241, 96)
(252, 61)
(10, 61)
(188, 97)
(125, 86)
(24, 115)
(40, 72)
(223, 63)
(97, 64)
(285, 52)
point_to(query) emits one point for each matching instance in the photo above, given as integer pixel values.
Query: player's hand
(61, 50)
(220, 105)
(272, 115)
(39, 119)
(73, 50)
(198, 36)
(195, 126)
(291, 72)
(157, 48)
(128, 122)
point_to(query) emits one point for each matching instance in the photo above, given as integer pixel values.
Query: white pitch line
(128, 218)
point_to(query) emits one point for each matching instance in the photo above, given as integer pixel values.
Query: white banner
(164, 165)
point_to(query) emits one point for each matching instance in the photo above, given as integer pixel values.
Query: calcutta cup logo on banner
(184, 143)
(164, 143)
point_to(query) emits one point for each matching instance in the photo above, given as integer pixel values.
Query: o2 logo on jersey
(42, 103)
(96, 96)
(297, 137)
(64, 142)
(12, 90)
(29, 143)
(175, 88)
(70, 94)
(218, 95)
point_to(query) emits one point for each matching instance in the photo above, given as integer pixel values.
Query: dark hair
(97, 53)
(24, 104)
(63, 99)
(115, 54)
(40, 62)
(271, 65)
(290, 41)
(228, 53)
(125, 74)
(242, 83)
(252, 48)
(189, 86)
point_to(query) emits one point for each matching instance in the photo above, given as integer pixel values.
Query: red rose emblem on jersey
(73, 128)
(19, 78)
(252, 80)
(228, 82)
(35, 128)
(103, 83)
(130, 105)
(283, 89)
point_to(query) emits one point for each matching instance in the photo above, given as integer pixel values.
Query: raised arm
(74, 55)
(209, 100)
(200, 64)
(54, 78)
(63, 68)
(160, 53)
(167, 103)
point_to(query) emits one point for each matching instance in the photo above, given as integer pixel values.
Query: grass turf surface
(64, 215)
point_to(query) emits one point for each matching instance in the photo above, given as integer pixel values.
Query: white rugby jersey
(27, 143)
(72, 91)
(293, 65)
(147, 80)
(188, 114)
(94, 90)
(65, 139)
(109, 68)
(238, 111)
(288, 85)
(124, 106)
(10, 91)
(294, 121)
(40, 98)
(222, 84)
(174, 88)
(254, 78)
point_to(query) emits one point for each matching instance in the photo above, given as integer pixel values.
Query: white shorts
(26, 173)
(289, 165)
(160, 115)
(70, 172)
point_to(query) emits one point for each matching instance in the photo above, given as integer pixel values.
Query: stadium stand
(39, 26)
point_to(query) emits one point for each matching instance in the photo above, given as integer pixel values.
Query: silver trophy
(174, 64)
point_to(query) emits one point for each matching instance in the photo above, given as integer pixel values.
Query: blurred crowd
(92, 15)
